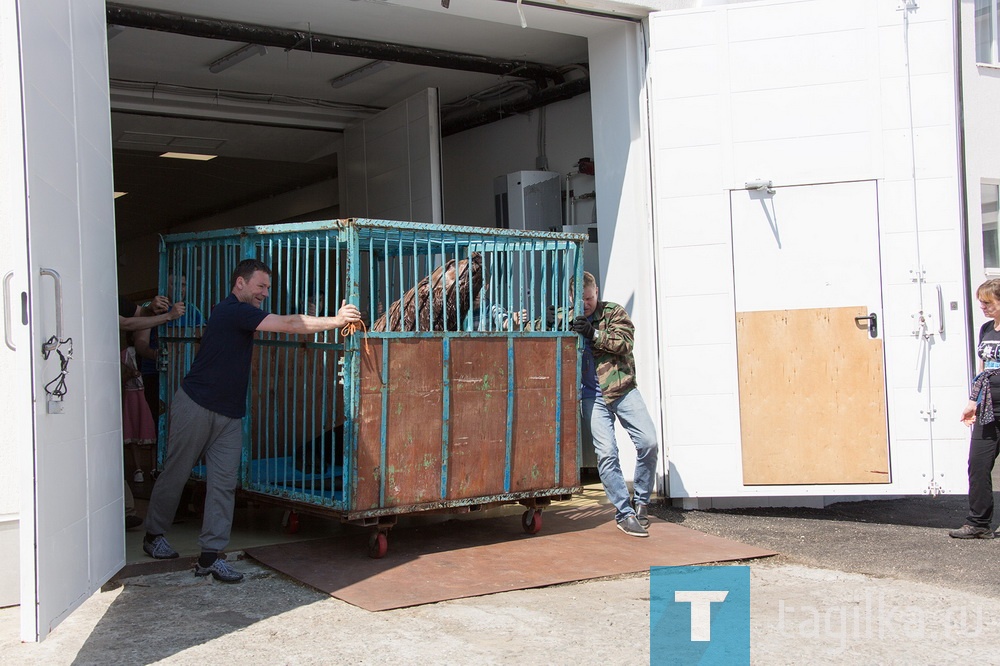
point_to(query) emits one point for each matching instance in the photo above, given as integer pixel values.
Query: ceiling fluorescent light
(236, 57)
(189, 156)
(359, 73)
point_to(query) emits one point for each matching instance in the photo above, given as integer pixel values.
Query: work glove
(583, 326)
(550, 317)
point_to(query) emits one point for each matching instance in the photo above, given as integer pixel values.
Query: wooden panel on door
(812, 398)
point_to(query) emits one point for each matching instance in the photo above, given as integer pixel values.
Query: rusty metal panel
(477, 443)
(367, 458)
(534, 426)
(398, 459)
(569, 468)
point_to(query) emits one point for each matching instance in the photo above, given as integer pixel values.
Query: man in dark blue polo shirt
(207, 411)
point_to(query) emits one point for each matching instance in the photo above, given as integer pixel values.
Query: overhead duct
(208, 28)
(457, 120)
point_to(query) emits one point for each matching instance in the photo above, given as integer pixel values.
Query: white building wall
(981, 95)
(624, 214)
(806, 92)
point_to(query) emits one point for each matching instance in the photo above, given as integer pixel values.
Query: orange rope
(352, 328)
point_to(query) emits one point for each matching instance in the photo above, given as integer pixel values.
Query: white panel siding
(802, 92)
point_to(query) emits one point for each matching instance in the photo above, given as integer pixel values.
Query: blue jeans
(599, 423)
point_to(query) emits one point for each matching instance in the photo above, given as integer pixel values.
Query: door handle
(47, 347)
(7, 333)
(940, 310)
(872, 320)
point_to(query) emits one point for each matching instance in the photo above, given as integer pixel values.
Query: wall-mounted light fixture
(359, 73)
(759, 186)
(236, 57)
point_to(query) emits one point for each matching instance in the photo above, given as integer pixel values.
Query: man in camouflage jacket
(608, 391)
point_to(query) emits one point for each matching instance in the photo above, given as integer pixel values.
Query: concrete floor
(866, 583)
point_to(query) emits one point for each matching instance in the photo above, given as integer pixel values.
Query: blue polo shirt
(221, 371)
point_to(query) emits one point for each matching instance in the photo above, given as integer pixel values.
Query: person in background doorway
(207, 411)
(177, 293)
(981, 413)
(609, 392)
(134, 318)
(147, 342)
(137, 422)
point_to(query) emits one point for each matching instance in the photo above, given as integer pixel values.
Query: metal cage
(460, 392)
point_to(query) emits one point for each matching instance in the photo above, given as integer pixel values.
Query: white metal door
(57, 146)
(808, 287)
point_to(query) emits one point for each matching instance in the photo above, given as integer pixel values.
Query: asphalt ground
(904, 539)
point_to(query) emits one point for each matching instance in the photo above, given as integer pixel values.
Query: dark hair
(247, 268)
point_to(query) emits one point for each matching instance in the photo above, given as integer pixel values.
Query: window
(989, 197)
(986, 32)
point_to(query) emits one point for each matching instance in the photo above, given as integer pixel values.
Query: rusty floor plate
(468, 558)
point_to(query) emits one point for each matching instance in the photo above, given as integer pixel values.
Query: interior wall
(138, 258)
(472, 159)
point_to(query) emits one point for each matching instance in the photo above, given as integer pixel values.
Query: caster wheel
(292, 523)
(531, 521)
(378, 545)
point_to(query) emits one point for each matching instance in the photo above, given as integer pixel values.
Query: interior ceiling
(273, 119)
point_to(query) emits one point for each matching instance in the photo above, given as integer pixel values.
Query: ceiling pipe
(233, 31)
(453, 122)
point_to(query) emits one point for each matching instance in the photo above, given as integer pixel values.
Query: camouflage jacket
(612, 348)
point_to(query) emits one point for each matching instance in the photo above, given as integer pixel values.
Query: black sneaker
(220, 570)
(159, 548)
(631, 526)
(642, 514)
(132, 522)
(971, 532)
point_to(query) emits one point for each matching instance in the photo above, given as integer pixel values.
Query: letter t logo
(701, 606)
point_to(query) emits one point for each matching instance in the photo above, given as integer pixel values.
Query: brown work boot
(971, 532)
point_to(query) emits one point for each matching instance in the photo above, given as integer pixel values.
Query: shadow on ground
(157, 617)
(946, 511)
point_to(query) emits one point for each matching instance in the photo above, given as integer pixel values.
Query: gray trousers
(196, 432)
